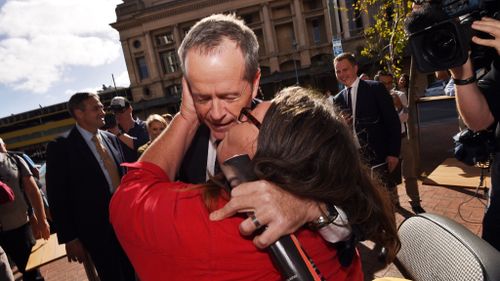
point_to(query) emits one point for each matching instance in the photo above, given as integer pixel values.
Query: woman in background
(155, 125)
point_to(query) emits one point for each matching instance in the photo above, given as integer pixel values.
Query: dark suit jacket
(194, 164)
(376, 121)
(77, 189)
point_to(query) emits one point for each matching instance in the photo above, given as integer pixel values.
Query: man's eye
(200, 99)
(231, 97)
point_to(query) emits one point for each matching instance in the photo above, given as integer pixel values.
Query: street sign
(337, 47)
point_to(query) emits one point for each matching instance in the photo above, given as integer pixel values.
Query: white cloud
(122, 79)
(42, 38)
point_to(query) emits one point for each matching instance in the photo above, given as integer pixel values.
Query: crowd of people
(143, 199)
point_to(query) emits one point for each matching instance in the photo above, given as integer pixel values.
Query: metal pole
(114, 84)
(413, 118)
(334, 19)
(294, 44)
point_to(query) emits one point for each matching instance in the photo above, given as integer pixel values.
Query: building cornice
(161, 11)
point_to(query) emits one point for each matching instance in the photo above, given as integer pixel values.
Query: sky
(51, 49)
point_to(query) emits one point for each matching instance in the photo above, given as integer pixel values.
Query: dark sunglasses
(245, 113)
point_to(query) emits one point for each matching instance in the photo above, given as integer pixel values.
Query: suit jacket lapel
(83, 150)
(114, 152)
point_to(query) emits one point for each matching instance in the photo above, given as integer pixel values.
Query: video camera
(440, 33)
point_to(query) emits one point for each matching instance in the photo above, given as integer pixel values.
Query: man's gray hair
(208, 34)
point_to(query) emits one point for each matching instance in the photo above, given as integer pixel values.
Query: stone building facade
(295, 38)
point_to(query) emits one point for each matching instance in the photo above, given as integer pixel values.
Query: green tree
(385, 39)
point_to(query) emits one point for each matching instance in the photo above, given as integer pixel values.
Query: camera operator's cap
(119, 104)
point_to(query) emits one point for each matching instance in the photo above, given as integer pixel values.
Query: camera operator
(479, 106)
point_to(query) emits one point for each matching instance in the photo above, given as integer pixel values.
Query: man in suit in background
(407, 156)
(83, 170)
(369, 110)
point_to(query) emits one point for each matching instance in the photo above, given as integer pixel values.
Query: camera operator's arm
(471, 103)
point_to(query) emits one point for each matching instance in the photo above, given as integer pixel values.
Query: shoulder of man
(139, 122)
(108, 134)
(16, 156)
(338, 95)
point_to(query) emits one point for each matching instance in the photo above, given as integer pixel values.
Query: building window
(251, 18)
(260, 39)
(285, 37)
(169, 61)
(165, 39)
(317, 31)
(137, 44)
(174, 90)
(142, 67)
(310, 5)
(281, 12)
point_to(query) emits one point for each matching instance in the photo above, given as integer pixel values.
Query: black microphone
(286, 253)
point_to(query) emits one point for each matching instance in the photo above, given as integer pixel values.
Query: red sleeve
(149, 210)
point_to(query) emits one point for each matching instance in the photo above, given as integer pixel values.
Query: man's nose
(218, 110)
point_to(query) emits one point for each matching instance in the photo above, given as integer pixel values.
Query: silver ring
(255, 221)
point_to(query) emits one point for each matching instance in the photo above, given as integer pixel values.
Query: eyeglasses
(245, 113)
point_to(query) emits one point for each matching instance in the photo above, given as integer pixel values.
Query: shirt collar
(354, 84)
(85, 134)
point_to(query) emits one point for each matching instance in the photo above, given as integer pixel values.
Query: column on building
(269, 38)
(305, 56)
(344, 19)
(155, 72)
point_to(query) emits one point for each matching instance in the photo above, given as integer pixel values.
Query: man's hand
(187, 110)
(114, 130)
(282, 212)
(75, 251)
(392, 162)
(39, 228)
(490, 26)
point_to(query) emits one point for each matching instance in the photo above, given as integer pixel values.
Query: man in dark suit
(369, 109)
(83, 170)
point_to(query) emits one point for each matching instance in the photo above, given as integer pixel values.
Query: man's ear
(256, 82)
(78, 114)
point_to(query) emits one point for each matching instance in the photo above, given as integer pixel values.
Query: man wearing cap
(131, 132)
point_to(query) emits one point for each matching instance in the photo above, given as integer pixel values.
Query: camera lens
(440, 44)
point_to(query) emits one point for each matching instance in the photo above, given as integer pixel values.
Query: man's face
(91, 117)
(387, 81)
(346, 72)
(123, 115)
(217, 86)
(241, 139)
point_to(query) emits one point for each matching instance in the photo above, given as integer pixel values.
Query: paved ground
(459, 204)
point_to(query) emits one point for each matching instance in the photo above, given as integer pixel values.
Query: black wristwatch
(326, 218)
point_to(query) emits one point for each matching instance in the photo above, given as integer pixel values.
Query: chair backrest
(434, 247)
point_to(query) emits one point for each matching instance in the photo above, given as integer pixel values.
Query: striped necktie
(109, 163)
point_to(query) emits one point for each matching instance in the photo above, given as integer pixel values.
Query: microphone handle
(287, 254)
(291, 260)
